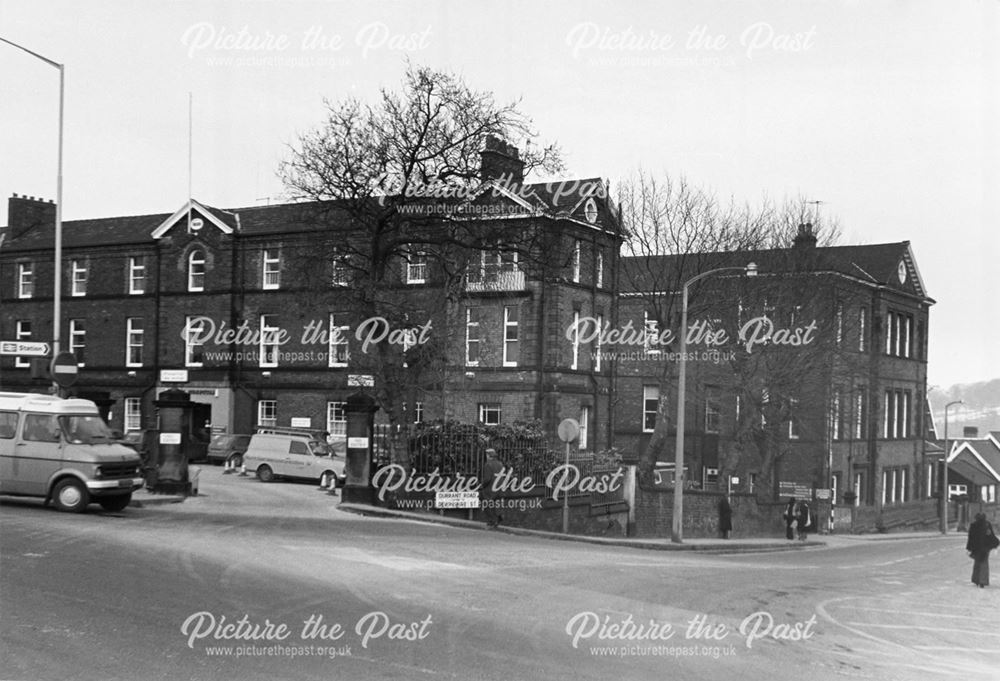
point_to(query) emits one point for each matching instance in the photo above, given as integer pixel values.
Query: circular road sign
(569, 430)
(64, 369)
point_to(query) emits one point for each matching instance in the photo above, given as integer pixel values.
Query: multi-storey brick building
(841, 407)
(183, 300)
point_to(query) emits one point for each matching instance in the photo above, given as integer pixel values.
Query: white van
(287, 453)
(61, 450)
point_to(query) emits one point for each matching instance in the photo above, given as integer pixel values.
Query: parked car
(292, 454)
(62, 451)
(228, 449)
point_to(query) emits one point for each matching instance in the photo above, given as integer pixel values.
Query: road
(201, 590)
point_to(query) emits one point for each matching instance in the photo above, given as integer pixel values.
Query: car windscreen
(84, 429)
(220, 442)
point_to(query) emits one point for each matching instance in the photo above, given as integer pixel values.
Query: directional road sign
(24, 348)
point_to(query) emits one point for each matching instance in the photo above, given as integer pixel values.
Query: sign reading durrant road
(24, 348)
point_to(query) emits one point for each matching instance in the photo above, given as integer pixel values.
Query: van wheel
(115, 503)
(235, 460)
(265, 474)
(70, 495)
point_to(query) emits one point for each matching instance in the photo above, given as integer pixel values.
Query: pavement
(145, 498)
(706, 545)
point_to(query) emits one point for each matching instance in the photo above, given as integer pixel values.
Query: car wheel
(115, 503)
(235, 460)
(265, 474)
(70, 495)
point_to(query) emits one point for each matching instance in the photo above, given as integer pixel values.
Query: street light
(944, 471)
(677, 527)
(57, 283)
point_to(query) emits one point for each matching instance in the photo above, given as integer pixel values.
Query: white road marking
(919, 628)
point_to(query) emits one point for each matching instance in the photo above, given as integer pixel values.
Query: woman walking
(981, 541)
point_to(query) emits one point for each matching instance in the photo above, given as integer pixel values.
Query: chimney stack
(500, 160)
(970, 432)
(25, 213)
(805, 238)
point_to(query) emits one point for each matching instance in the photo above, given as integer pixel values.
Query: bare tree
(675, 231)
(376, 177)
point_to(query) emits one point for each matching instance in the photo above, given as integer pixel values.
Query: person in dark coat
(803, 519)
(725, 517)
(491, 469)
(789, 516)
(981, 541)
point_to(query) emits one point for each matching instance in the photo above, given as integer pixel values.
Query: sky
(886, 112)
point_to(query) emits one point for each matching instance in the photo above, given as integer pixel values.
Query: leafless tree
(674, 231)
(371, 175)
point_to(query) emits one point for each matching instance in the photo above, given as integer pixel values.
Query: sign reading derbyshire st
(24, 348)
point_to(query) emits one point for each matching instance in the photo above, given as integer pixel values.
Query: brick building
(194, 299)
(254, 310)
(841, 407)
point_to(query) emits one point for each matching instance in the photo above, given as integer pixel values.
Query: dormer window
(272, 270)
(196, 271)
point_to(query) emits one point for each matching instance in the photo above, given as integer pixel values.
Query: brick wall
(654, 514)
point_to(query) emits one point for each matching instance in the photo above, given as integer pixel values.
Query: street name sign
(24, 348)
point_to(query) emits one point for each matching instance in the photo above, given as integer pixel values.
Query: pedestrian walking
(803, 519)
(725, 517)
(981, 541)
(491, 469)
(789, 516)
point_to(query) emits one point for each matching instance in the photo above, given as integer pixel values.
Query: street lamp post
(57, 278)
(944, 470)
(677, 526)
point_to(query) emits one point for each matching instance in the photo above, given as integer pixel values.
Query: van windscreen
(84, 429)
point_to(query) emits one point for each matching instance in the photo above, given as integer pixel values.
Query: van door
(319, 460)
(37, 453)
(8, 429)
(298, 464)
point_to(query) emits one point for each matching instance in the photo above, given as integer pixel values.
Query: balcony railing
(510, 280)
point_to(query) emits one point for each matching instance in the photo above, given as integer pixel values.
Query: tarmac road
(142, 594)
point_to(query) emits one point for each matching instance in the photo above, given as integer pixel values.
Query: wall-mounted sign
(301, 422)
(357, 443)
(456, 500)
(170, 438)
(360, 381)
(173, 376)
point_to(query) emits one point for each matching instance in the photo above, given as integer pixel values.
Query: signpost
(569, 431)
(24, 348)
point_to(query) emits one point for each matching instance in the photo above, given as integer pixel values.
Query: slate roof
(555, 199)
(875, 263)
(983, 451)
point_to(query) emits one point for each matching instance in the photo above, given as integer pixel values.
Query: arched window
(196, 271)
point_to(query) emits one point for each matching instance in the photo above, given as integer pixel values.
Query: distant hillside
(981, 408)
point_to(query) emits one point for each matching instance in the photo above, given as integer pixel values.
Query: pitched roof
(557, 199)
(876, 263)
(981, 453)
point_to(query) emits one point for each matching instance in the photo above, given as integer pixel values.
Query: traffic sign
(64, 369)
(24, 348)
(569, 430)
